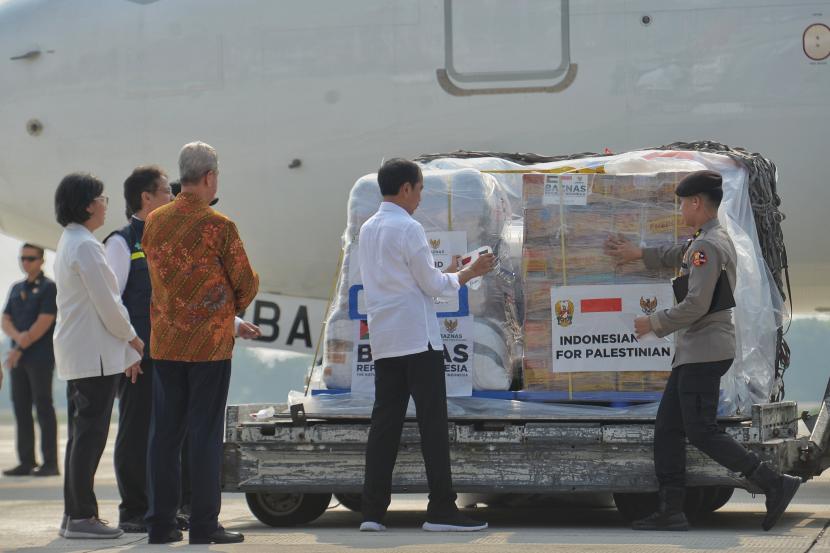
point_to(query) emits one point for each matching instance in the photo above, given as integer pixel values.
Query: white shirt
(93, 328)
(118, 258)
(399, 282)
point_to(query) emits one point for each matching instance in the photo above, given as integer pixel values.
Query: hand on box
(622, 250)
(642, 326)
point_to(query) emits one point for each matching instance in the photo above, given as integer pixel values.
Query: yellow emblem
(435, 243)
(451, 325)
(564, 310)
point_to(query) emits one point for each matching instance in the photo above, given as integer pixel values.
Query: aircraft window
(496, 42)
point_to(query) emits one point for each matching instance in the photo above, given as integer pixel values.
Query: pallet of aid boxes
(579, 303)
(460, 210)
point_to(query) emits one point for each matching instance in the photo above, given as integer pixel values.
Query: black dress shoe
(170, 537)
(220, 535)
(46, 470)
(133, 525)
(19, 470)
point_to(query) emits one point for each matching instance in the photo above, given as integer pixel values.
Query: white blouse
(92, 330)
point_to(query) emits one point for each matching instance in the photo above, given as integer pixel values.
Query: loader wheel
(287, 509)
(715, 498)
(634, 506)
(351, 501)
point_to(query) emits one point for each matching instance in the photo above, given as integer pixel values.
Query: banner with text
(593, 328)
(457, 334)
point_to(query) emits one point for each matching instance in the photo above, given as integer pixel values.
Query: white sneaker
(62, 529)
(371, 526)
(90, 528)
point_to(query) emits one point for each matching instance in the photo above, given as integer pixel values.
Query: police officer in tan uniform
(704, 351)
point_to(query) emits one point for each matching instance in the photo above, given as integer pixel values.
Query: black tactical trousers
(689, 409)
(422, 376)
(134, 406)
(31, 384)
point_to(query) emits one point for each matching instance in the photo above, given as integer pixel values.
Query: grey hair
(196, 159)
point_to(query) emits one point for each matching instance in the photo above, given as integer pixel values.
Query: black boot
(669, 514)
(779, 489)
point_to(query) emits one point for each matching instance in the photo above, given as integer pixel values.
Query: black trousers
(420, 375)
(31, 384)
(188, 399)
(89, 407)
(689, 409)
(134, 405)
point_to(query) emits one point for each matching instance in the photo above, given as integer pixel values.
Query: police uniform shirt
(701, 336)
(28, 300)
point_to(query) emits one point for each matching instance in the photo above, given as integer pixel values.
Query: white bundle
(453, 200)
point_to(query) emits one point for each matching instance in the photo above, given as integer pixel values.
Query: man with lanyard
(29, 320)
(145, 190)
(704, 351)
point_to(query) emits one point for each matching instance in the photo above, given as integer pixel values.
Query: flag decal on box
(600, 305)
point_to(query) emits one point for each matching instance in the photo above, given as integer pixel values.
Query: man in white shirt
(400, 283)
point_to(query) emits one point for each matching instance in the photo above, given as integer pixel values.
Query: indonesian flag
(600, 305)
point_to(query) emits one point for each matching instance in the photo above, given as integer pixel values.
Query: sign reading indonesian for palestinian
(593, 328)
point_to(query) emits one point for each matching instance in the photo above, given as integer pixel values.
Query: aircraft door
(498, 47)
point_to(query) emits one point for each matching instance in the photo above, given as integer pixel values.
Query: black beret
(698, 183)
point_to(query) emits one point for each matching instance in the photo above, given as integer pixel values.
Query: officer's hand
(13, 358)
(622, 250)
(138, 345)
(642, 326)
(133, 371)
(23, 340)
(248, 331)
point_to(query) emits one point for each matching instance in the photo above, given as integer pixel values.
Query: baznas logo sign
(451, 325)
(435, 243)
(648, 305)
(564, 312)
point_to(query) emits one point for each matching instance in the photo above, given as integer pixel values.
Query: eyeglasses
(103, 198)
(29, 258)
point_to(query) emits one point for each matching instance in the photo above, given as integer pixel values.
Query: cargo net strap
(763, 196)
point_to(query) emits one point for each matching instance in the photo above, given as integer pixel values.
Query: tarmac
(31, 508)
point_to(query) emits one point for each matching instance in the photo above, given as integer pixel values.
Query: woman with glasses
(95, 346)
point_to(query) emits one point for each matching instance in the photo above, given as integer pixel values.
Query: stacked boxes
(567, 219)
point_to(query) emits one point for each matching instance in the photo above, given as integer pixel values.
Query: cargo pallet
(290, 465)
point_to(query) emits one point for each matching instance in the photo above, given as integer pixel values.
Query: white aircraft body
(301, 98)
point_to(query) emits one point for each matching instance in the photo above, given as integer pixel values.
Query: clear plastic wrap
(759, 310)
(460, 210)
(757, 316)
(355, 406)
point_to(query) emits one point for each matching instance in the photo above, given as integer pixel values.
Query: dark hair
(713, 196)
(175, 187)
(395, 173)
(142, 179)
(33, 247)
(74, 194)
